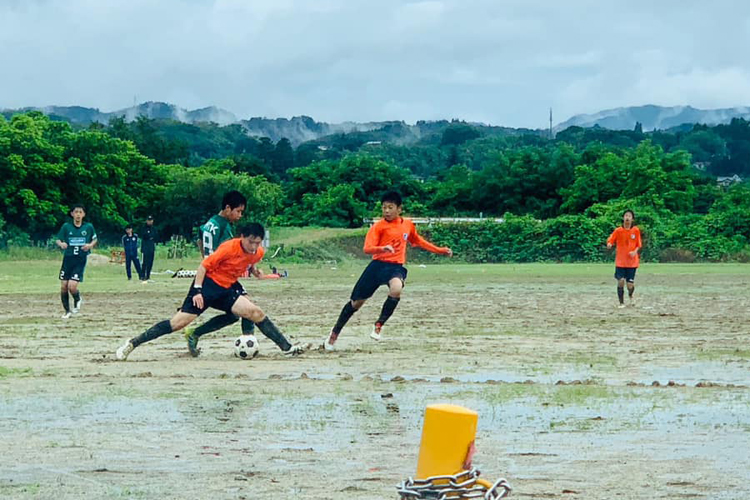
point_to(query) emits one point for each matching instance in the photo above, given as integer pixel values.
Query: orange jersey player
(627, 239)
(216, 286)
(386, 242)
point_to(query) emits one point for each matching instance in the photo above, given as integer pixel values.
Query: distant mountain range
(303, 128)
(654, 117)
(297, 129)
(156, 110)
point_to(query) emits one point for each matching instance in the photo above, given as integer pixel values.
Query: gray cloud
(501, 62)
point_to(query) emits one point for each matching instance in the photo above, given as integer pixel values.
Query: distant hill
(297, 129)
(654, 117)
(301, 129)
(155, 110)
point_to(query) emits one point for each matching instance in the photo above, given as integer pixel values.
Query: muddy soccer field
(576, 399)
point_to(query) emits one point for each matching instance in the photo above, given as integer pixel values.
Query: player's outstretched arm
(416, 240)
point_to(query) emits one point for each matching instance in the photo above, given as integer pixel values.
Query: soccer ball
(246, 347)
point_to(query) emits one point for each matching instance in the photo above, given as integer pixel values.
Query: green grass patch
(723, 354)
(15, 372)
(578, 395)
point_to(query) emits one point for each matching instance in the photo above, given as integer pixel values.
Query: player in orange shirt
(627, 238)
(386, 242)
(216, 286)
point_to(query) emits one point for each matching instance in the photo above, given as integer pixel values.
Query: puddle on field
(692, 373)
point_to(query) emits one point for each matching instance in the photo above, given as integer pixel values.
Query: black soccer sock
(215, 323)
(272, 332)
(76, 297)
(621, 294)
(248, 327)
(65, 298)
(388, 307)
(346, 314)
(156, 331)
(631, 291)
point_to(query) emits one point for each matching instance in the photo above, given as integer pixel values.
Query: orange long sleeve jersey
(229, 262)
(396, 233)
(626, 240)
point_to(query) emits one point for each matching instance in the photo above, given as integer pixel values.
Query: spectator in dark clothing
(149, 237)
(130, 245)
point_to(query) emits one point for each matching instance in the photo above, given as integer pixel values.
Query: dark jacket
(130, 244)
(149, 239)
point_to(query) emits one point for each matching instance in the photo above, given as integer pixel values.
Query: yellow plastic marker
(447, 440)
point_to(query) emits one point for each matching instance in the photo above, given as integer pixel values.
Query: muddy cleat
(375, 335)
(192, 342)
(67, 315)
(77, 305)
(330, 341)
(621, 306)
(124, 350)
(294, 350)
(631, 302)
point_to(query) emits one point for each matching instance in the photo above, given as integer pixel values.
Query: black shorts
(72, 268)
(213, 296)
(625, 273)
(377, 273)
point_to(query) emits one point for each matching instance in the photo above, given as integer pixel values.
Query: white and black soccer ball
(246, 347)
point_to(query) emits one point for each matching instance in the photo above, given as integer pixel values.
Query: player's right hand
(388, 249)
(198, 300)
(63, 245)
(609, 246)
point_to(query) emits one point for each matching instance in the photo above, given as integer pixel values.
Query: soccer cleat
(124, 350)
(328, 345)
(621, 306)
(67, 315)
(631, 301)
(294, 350)
(375, 335)
(77, 305)
(192, 342)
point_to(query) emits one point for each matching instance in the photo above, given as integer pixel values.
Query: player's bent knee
(357, 304)
(246, 309)
(181, 320)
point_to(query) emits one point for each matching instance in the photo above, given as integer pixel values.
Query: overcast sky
(495, 61)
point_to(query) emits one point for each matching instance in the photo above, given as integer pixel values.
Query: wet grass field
(576, 398)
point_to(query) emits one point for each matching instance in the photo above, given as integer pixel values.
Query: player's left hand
(633, 253)
(448, 252)
(198, 300)
(86, 247)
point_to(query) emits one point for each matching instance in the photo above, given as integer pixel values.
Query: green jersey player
(213, 233)
(76, 239)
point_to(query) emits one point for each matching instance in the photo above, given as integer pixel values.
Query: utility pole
(550, 123)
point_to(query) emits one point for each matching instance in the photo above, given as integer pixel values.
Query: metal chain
(462, 485)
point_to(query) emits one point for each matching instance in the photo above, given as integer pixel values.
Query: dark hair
(234, 199)
(631, 213)
(252, 229)
(393, 197)
(128, 226)
(78, 205)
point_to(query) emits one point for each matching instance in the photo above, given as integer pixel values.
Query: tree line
(560, 189)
